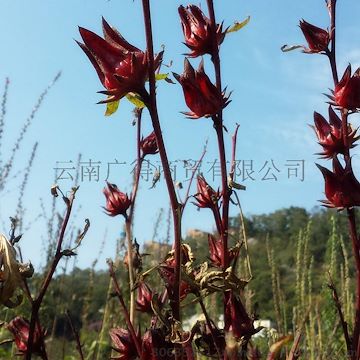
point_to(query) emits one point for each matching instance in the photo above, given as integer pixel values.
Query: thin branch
(194, 170)
(344, 324)
(76, 335)
(124, 309)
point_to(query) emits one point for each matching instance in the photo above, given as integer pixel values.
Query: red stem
(220, 136)
(150, 101)
(218, 125)
(350, 211)
(76, 335)
(332, 53)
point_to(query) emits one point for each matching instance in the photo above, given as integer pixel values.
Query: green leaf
(238, 25)
(111, 107)
(136, 100)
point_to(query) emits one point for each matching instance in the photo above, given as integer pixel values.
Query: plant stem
(356, 251)
(175, 206)
(125, 310)
(332, 53)
(36, 304)
(218, 124)
(130, 254)
(350, 211)
(76, 335)
(344, 324)
(210, 325)
(129, 220)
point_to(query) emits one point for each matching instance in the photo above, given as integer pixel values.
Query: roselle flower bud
(122, 68)
(197, 31)
(215, 250)
(347, 91)
(117, 202)
(201, 96)
(149, 145)
(155, 347)
(206, 196)
(330, 135)
(318, 39)
(123, 343)
(19, 327)
(342, 189)
(239, 324)
(144, 297)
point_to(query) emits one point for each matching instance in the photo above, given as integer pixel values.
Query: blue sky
(274, 96)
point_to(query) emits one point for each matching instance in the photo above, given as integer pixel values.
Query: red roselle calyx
(117, 202)
(216, 250)
(19, 327)
(318, 39)
(238, 323)
(201, 95)
(144, 297)
(206, 196)
(342, 189)
(155, 347)
(197, 31)
(123, 344)
(122, 68)
(347, 91)
(149, 145)
(167, 271)
(330, 135)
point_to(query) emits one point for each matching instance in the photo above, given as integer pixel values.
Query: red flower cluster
(347, 91)
(122, 68)
(197, 31)
(201, 95)
(117, 202)
(318, 39)
(330, 135)
(342, 189)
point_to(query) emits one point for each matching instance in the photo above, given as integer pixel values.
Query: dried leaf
(238, 25)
